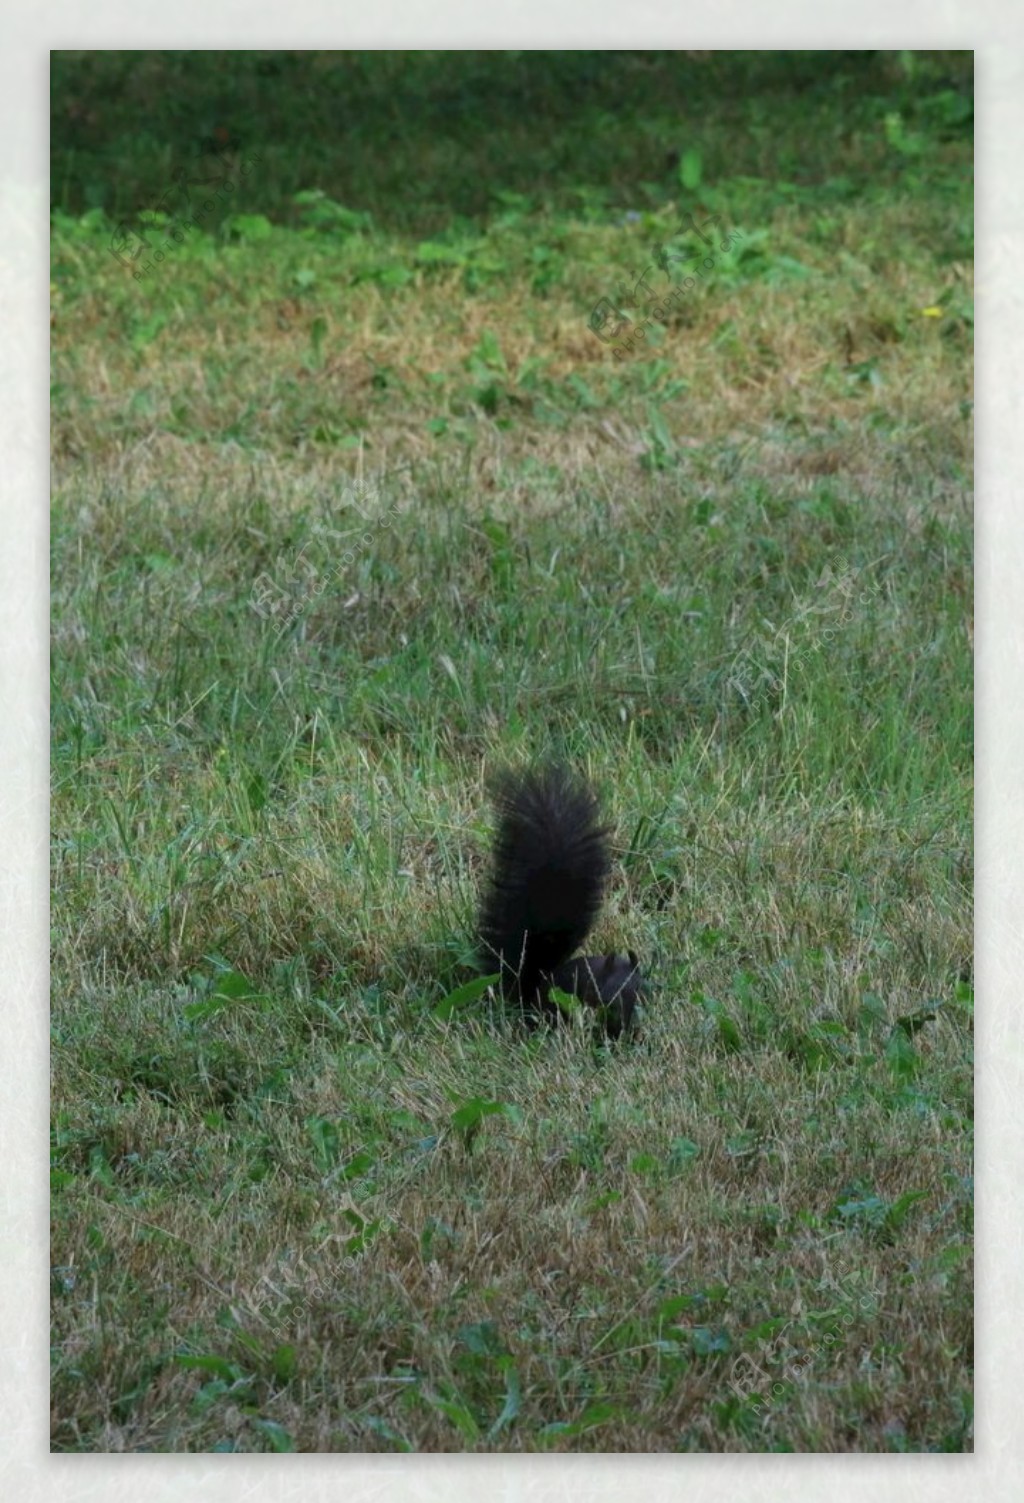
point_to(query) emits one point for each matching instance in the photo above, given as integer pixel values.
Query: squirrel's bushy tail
(551, 862)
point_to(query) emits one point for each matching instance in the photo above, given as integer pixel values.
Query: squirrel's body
(550, 865)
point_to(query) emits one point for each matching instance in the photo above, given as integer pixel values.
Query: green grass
(298, 1201)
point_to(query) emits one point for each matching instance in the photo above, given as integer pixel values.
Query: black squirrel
(549, 868)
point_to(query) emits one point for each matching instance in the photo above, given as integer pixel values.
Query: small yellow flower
(931, 312)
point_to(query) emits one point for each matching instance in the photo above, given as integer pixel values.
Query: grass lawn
(355, 498)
